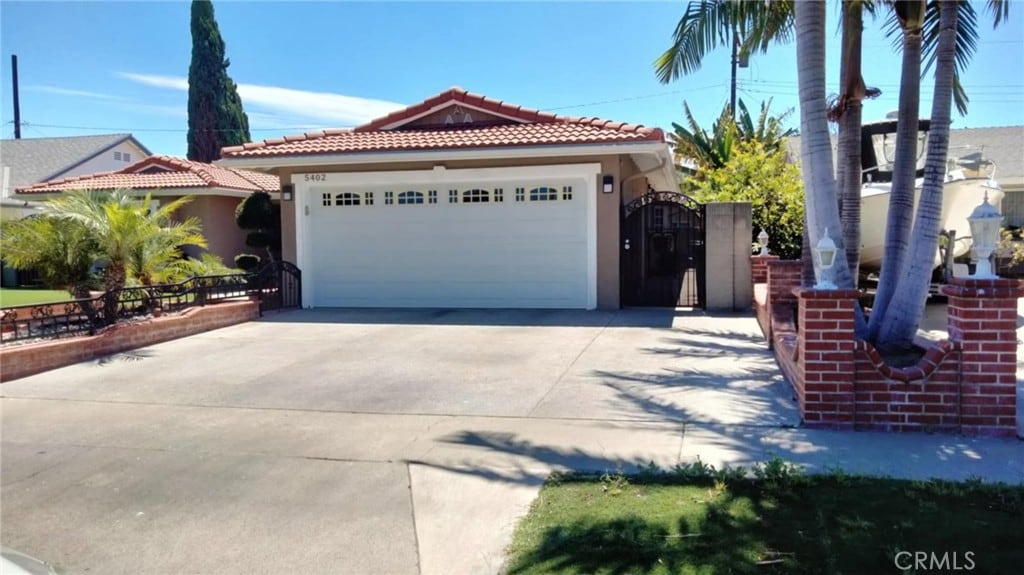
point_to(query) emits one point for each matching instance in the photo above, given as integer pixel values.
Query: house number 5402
(315, 177)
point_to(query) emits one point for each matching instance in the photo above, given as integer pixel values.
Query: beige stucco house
(215, 190)
(466, 201)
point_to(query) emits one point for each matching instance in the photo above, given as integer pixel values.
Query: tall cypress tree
(215, 115)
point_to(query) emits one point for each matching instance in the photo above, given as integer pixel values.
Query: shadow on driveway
(632, 317)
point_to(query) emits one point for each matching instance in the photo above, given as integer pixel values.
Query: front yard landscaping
(696, 520)
(13, 297)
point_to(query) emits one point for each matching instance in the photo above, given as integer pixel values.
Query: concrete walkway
(396, 442)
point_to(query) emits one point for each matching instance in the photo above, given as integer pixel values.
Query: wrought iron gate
(662, 258)
(279, 285)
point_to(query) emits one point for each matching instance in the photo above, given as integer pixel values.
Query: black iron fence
(275, 286)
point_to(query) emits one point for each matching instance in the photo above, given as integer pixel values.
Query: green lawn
(10, 297)
(701, 523)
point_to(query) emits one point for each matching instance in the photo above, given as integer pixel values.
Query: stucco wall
(728, 256)
(217, 216)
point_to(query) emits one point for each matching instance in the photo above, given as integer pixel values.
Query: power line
(179, 130)
(644, 97)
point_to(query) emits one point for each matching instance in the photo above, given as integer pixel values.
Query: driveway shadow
(633, 317)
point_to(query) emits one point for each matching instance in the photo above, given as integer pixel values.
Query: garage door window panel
(409, 198)
(476, 196)
(348, 199)
(543, 194)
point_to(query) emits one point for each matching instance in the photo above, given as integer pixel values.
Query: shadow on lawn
(789, 524)
(729, 537)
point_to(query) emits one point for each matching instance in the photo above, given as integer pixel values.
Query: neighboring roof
(33, 160)
(509, 126)
(1003, 145)
(163, 172)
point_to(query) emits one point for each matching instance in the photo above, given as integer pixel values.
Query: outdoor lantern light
(762, 239)
(608, 184)
(287, 192)
(985, 221)
(825, 257)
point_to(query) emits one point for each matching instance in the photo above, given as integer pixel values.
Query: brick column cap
(779, 263)
(769, 257)
(998, 288)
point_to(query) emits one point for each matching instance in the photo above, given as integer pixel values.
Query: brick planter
(964, 385)
(28, 359)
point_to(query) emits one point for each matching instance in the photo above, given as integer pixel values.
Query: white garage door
(517, 243)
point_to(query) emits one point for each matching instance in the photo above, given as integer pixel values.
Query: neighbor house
(466, 201)
(216, 191)
(28, 161)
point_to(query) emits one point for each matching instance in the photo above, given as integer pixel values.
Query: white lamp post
(762, 239)
(985, 221)
(825, 257)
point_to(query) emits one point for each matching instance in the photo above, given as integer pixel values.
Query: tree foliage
(61, 252)
(215, 115)
(262, 217)
(712, 150)
(758, 174)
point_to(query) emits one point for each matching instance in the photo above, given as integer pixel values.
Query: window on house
(348, 199)
(410, 198)
(117, 155)
(476, 196)
(126, 157)
(543, 194)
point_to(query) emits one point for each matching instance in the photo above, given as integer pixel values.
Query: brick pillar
(983, 320)
(825, 358)
(759, 268)
(783, 277)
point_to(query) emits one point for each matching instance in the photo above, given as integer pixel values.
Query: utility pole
(17, 103)
(738, 61)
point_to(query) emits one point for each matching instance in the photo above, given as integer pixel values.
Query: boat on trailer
(969, 176)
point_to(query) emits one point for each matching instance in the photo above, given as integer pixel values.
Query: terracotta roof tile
(385, 134)
(162, 172)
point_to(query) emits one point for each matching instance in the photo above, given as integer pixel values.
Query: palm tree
(135, 241)
(822, 208)
(62, 252)
(712, 151)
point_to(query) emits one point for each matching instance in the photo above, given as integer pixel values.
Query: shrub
(247, 262)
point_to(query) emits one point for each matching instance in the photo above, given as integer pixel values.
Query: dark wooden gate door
(663, 251)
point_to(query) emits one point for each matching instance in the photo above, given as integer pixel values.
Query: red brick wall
(759, 268)
(964, 385)
(24, 360)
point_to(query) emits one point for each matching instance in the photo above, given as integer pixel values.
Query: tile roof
(163, 172)
(526, 127)
(33, 160)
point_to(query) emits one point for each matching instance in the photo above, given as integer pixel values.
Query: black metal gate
(279, 285)
(662, 259)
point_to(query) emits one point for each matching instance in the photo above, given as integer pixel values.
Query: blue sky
(102, 67)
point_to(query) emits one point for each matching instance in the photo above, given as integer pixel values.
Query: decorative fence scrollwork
(275, 286)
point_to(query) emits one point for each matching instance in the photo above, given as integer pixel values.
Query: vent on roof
(154, 170)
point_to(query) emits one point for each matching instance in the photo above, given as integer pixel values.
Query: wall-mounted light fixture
(608, 184)
(287, 192)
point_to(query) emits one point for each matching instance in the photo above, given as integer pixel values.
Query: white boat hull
(959, 198)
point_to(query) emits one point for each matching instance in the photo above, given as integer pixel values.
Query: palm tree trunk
(900, 323)
(114, 280)
(901, 197)
(821, 202)
(849, 132)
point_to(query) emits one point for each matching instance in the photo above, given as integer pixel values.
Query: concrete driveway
(361, 441)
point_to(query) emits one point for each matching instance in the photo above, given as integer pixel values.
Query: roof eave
(446, 154)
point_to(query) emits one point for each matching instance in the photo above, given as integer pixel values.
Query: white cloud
(336, 110)
(72, 92)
